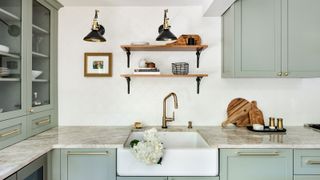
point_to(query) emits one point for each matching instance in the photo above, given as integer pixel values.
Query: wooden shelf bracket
(128, 56)
(198, 53)
(198, 84)
(128, 83)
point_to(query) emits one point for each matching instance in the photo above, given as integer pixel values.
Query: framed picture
(98, 64)
(13, 64)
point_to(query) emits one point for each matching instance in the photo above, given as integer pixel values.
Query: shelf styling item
(36, 74)
(4, 48)
(97, 31)
(98, 64)
(4, 72)
(187, 40)
(164, 30)
(180, 68)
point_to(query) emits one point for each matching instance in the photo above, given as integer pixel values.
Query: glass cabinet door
(41, 61)
(11, 63)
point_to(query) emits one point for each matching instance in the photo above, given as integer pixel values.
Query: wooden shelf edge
(163, 47)
(165, 75)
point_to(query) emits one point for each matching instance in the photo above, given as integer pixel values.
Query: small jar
(280, 123)
(272, 123)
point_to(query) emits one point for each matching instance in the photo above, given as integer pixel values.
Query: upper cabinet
(271, 38)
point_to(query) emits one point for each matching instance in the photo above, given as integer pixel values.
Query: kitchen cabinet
(37, 170)
(29, 29)
(274, 38)
(167, 178)
(307, 177)
(12, 131)
(142, 178)
(253, 164)
(84, 164)
(39, 122)
(193, 178)
(12, 177)
(307, 162)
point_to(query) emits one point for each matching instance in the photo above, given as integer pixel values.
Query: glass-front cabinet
(12, 63)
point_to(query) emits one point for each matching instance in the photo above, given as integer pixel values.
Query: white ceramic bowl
(258, 127)
(36, 74)
(4, 48)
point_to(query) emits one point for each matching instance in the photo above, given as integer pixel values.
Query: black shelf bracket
(128, 56)
(198, 84)
(128, 84)
(198, 53)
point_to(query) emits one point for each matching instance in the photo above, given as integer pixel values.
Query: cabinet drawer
(40, 122)
(307, 177)
(12, 131)
(307, 161)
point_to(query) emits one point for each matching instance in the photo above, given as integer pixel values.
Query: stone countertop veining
(19, 155)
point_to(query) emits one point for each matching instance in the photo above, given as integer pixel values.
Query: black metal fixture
(13, 30)
(97, 31)
(164, 30)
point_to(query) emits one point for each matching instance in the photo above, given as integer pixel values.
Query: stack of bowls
(4, 71)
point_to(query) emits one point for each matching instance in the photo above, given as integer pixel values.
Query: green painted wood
(142, 178)
(193, 178)
(301, 38)
(228, 44)
(54, 161)
(12, 177)
(301, 158)
(39, 122)
(84, 164)
(257, 38)
(28, 172)
(307, 177)
(12, 131)
(256, 164)
(54, 3)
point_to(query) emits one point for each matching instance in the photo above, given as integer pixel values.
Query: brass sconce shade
(97, 31)
(164, 30)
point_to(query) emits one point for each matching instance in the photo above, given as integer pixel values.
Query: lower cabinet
(307, 177)
(88, 164)
(12, 177)
(256, 164)
(167, 178)
(307, 164)
(142, 178)
(37, 170)
(193, 178)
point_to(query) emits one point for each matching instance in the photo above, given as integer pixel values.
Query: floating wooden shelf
(130, 48)
(197, 76)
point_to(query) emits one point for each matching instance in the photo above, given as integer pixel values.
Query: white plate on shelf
(4, 48)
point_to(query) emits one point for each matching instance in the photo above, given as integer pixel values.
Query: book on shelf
(147, 70)
(147, 73)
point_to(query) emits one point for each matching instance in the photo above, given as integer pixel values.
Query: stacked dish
(4, 48)
(4, 71)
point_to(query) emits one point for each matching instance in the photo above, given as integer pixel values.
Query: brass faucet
(166, 119)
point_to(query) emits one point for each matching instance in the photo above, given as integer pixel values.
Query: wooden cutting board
(238, 113)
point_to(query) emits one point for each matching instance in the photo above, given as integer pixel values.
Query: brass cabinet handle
(313, 162)
(286, 74)
(43, 122)
(258, 153)
(88, 153)
(31, 110)
(279, 74)
(15, 131)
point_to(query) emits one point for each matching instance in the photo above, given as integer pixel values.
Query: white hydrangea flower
(150, 150)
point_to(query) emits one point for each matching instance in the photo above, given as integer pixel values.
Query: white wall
(104, 101)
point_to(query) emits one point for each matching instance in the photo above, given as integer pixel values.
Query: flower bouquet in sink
(150, 150)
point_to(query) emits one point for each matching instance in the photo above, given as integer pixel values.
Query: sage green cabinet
(253, 164)
(167, 178)
(307, 177)
(39, 122)
(193, 178)
(142, 178)
(12, 177)
(307, 162)
(12, 131)
(84, 164)
(36, 170)
(273, 38)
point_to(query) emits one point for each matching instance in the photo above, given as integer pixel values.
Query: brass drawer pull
(88, 153)
(15, 131)
(43, 122)
(258, 153)
(313, 162)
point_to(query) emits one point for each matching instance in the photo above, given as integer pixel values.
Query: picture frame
(98, 64)
(14, 65)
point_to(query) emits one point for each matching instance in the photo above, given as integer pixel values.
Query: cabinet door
(301, 37)
(12, 177)
(84, 164)
(307, 161)
(142, 178)
(37, 170)
(253, 164)
(193, 178)
(40, 122)
(307, 177)
(257, 38)
(12, 131)
(41, 57)
(12, 59)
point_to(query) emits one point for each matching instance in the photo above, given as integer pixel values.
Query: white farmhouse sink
(186, 154)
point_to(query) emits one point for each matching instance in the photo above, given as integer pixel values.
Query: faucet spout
(166, 119)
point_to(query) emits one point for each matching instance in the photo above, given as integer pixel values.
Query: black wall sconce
(97, 31)
(164, 30)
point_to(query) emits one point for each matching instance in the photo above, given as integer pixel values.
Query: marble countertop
(19, 155)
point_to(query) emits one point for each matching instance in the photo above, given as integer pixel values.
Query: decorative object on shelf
(36, 101)
(185, 38)
(4, 48)
(146, 71)
(242, 113)
(37, 43)
(164, 30)
(150, 64)
(142, 43)
(36, 74)
(180, 68)
(4, 72)
(1, 110)
(98, 64)
(97, 31)
(150, 149)
(14, 65)
(13, 30)
(137, 125)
